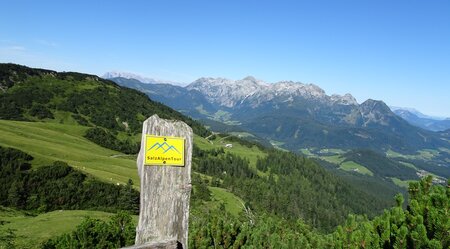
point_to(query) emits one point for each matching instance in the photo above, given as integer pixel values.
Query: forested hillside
(423, 224)
(291, 187)
(115, 113)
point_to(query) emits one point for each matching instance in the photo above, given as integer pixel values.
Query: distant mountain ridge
(416, 112)
(142, 79)
(294, 115)
(418, 119)
(232, 93)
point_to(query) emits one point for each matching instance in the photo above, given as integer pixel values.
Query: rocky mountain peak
(210, 81)
(375, 105)
(376, 112)
(347, 99)
(227, 92)
(250, 80)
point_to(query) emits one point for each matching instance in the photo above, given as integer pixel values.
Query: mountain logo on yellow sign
(159, 146)
(164, 150)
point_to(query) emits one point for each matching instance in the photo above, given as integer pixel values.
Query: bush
(80, 119)
(94, 233)
(106, 139)
(40, 111)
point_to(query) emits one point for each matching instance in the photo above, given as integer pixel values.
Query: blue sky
(395, 51)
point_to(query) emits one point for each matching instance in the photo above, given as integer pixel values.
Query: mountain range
(294, 115)
(421, 120)
(127, 75)
(416, 112)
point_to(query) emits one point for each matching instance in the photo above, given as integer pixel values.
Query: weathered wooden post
(164, 167)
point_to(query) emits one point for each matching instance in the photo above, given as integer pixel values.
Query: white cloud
(12, 49)
(16, 48)
(47, 43)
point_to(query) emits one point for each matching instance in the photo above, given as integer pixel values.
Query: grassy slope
(426, 154)
(48, 142)
(251, 154)
(33, 230)
(347, 166)
(233, 204)
(355, 167)
(401, 183)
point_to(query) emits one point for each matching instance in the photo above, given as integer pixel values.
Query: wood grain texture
(165, 190)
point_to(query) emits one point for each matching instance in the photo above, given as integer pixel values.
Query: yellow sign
(164, 150)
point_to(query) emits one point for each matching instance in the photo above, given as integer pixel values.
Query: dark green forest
(425, 223)
(294, 187)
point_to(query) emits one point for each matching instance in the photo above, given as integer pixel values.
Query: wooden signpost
(164, 167)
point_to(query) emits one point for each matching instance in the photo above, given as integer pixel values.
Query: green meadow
(401, 183)
(49, 142)
(252, 154)
(347, 165)
(232, 203)
(355, 167)
(32, 230)
(426, 154)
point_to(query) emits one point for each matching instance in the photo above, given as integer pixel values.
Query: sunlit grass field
(31, 231)
(252, 154)
(49, 142)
